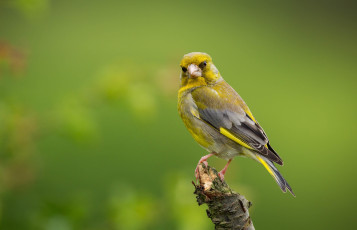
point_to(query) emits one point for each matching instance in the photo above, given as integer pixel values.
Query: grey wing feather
(243, 128)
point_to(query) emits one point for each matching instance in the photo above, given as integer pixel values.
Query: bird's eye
(203, 64)
(184, 69)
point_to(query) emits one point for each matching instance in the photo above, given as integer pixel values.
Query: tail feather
(269, 165)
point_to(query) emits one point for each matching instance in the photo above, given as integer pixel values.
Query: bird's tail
(269, 165)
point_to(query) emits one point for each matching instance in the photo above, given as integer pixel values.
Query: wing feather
(231, 118)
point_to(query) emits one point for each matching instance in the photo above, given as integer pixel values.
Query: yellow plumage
(218, 118)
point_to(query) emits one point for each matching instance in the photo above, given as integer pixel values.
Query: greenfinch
(219, 120)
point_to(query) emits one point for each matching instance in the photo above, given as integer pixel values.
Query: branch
(226, 208)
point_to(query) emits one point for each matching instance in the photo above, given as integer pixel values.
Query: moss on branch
(226, 208)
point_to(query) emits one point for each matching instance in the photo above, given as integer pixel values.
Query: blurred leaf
(19, 130)
(167, 80)
(113, 83)
(75, 120)
(142, 100)
(30, 7)
(58, 223)
(183, 206)
(132, 210)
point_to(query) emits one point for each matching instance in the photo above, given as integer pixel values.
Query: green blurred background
(90, 137)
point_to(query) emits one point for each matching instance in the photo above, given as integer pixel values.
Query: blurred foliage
(129, 210)
(89, 133)
(18, 137)
(185, 212)
(11, 59)
(30, 8)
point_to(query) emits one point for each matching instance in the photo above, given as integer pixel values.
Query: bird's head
(198, 69)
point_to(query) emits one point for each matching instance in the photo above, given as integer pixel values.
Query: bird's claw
(197, 171)
(204, 161)
(221, 175)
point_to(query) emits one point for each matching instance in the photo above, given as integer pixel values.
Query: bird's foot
(197, 172)
(221, 175)
(223, 171)
(204, 161)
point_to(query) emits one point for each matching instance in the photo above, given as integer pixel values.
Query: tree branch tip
(226, 208)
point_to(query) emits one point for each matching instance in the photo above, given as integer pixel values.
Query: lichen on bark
(226, 208)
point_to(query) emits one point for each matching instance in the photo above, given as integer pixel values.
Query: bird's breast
(190, 117)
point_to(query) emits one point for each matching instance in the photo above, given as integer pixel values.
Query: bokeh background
(90, 137)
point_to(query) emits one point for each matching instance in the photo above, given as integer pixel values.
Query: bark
(226, 208)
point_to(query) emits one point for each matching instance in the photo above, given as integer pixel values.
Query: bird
(219, 120)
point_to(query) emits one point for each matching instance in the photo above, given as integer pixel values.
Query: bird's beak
(194, 71)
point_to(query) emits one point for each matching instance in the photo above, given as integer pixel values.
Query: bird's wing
(222, 108)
